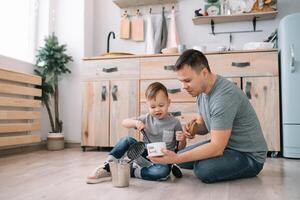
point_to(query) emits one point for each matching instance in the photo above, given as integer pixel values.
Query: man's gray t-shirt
(227, 107)
(161, 130)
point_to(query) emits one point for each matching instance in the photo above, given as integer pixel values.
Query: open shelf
(235, 18)
(135, 3)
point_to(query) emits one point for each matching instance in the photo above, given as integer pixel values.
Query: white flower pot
(55, 141)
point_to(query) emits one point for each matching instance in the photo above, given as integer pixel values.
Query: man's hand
(169, 157)
(186, 130)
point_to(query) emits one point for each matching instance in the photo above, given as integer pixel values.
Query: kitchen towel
(150, 35)
(173, 37)
(161, 35)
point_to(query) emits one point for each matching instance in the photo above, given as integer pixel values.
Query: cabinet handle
(103, 93)
(173, 91)
(109, 70)
(292, 63)
(114, 93)
(169, 67)
(240, 64)
(248, 89)
(176, 114)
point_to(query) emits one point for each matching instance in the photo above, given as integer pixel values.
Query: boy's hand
(139, 125)
(180, 136)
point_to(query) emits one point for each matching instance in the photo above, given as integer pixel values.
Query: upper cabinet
(135, 3)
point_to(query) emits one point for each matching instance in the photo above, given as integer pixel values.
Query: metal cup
(120, 172)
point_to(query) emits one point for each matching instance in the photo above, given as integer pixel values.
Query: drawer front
(110, 69)
(158, 67)
(244, 64)
(176, 93)
(183, 111)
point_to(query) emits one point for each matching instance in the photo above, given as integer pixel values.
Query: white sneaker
(99, 175)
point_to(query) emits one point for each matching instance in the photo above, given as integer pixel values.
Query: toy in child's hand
(135, 151)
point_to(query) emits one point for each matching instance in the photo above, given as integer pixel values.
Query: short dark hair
(195, 59)
(153, 89)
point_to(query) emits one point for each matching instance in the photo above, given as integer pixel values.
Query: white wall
(68, 24)
(16, 65)
(107, 17)
(17, 22)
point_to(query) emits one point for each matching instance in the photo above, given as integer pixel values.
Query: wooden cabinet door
(123, 104)
(95, 114)
(236, 81)
(263, 94)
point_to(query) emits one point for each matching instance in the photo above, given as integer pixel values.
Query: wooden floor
(61, 176)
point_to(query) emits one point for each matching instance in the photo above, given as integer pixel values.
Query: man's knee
(204, 172)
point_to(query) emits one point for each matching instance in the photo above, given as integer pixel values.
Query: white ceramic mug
(154, 149)
(181, 48)
(222, 48)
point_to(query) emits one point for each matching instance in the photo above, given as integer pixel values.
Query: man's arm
(216, 147)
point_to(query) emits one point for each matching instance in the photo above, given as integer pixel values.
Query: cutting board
(125, 28)
(137, 29)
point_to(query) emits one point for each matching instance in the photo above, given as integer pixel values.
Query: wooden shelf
(135, 3)
(234, 18)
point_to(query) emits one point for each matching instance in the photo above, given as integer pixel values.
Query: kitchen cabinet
(255, 72)
(263, 94)
(110, 94)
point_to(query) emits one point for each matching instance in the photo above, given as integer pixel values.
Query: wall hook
(212, 24)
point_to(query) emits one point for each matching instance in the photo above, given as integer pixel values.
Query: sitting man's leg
(232, 165)
(190, 165)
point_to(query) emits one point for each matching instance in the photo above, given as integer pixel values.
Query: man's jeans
(231, 165)
(154, 172)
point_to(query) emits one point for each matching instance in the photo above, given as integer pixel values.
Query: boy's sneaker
(176, 171)
(99, 175)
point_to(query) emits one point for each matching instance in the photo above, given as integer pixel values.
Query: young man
(159, 126)
(237, 148)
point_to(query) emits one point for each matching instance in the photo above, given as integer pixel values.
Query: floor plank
(61, 175)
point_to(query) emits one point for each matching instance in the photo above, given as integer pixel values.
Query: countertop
(165, 55)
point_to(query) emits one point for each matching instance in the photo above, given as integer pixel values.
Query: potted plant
(51, 65)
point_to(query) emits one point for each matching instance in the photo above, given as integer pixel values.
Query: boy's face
(193, 82)
(158, 106)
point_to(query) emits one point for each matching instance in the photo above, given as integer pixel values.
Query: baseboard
(32, 147)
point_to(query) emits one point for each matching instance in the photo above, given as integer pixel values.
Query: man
(237, 148)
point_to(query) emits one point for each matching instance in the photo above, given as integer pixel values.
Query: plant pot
(55, 141)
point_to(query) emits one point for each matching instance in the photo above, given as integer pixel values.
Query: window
(18, 28)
